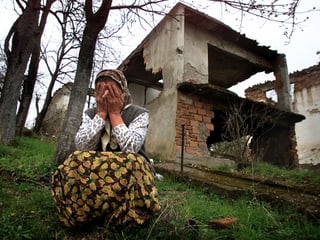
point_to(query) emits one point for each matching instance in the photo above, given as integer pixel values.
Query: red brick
(206, 119)
(198, 104)
(193, 151)
(209, 126)
(178, 148)
(193, 144)
(194, 123)
(210, 114)
(193, 137)
(195, 130)
(192, 109)
(198, 117)
(202, 111)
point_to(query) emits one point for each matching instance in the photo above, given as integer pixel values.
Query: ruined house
(305, 86)
(181, 72)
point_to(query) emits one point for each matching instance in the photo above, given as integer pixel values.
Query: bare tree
(63, 58)
(29, 82)
(23, 37)
(244, 121)
(95, 23)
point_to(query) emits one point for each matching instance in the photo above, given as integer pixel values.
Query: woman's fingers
(106, 92)
(115, 99)
(100, 89)
(113, 90)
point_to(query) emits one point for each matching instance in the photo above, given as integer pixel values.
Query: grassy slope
(27, 210)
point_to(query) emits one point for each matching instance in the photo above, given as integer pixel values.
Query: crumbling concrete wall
(142, 95)
(52, 123)
(196, 54)
(306, 101)
(163, 53)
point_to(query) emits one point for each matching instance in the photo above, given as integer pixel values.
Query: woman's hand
(101, 100)
(115, 99)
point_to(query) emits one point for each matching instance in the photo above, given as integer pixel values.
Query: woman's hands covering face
(109, 98)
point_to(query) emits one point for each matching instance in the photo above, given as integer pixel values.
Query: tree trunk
(47, 101)
(30, 82)
(95, 23)
(61, 52)
(22, 33)
(27, 91)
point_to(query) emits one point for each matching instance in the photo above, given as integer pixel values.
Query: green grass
(27, 210)
(257, 220)
(269, 171)
(30, 157)
(296, 176)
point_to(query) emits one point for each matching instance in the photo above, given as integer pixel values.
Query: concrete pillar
(282, 83)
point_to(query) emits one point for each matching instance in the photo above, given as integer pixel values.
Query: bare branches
(143, 12)
(142, 6)
(242, 122)
(283, 12)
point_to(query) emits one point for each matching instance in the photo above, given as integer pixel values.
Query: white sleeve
(131, 138)
(89, 133)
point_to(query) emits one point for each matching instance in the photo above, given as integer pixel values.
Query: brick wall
(196, 115)
(256, 95)
(293, 153)
(306, 78)
(301, 79)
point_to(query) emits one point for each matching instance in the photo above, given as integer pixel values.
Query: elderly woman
(108, 178)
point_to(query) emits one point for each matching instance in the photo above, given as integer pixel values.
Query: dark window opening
(218, 124)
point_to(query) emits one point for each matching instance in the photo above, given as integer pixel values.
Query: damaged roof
(305, 78)
(226, 69)
(221, 95)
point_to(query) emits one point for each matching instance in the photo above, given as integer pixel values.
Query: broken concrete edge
(311, 188)
(313, 214)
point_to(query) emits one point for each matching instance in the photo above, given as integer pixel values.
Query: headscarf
(117, 76)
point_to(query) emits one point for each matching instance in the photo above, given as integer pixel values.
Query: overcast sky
(301, 51)
(305, 42)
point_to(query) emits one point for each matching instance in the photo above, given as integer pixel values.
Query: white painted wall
(137, 93)
(142, 95)
(307, 103)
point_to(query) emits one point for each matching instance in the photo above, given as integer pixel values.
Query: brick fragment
(222, 222)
